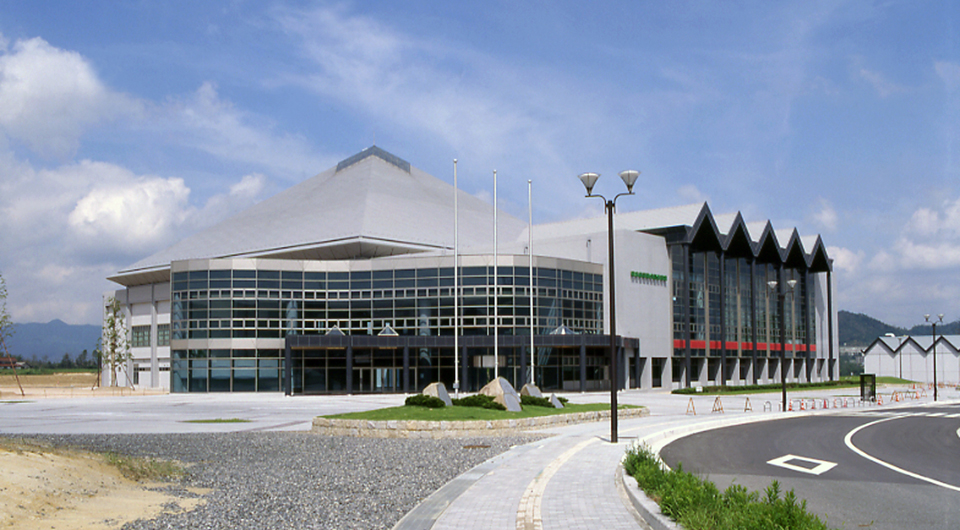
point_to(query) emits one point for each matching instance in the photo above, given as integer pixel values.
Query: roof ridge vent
(373, 150)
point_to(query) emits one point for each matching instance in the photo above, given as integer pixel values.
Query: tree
(83, 360)
(66, 363)
(116, 347)
(6, 328)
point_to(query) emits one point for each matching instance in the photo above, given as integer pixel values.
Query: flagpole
(456, 284)
(533, 311)
(496, 291)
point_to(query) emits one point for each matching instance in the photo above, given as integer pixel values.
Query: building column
(523, 366)
(687, 332)
(830, 325)
(154, 340)
(287, 369)
(350, 366)
(406, 369)
(638, 367)
(583, 367)
(464, 370)
(753, 319)
(723, 318)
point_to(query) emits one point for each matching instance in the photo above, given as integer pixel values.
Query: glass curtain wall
(270, 304)
(750, 310)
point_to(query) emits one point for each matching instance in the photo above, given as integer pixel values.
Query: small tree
(6, 329)
(116, 347)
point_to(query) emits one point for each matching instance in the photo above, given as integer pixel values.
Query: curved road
(880, 469)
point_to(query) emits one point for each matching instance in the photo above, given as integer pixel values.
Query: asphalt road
(895, 468)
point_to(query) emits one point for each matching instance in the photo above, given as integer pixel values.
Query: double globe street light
(934, 348)
(589, 179)
(781, 297)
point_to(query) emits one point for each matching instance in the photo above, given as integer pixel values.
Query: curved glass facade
(229, 319)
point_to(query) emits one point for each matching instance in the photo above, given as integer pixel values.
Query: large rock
(438, 390)
(556, 402)
(503, 393)
(531, 390)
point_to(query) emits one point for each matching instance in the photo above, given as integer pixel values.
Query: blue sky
(125, 126)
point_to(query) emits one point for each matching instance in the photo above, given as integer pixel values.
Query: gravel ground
(299, 480)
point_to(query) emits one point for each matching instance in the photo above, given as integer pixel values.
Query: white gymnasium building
(345, 283)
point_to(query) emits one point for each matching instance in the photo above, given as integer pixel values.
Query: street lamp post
(781, 296)
(934, 347)
(589, 179)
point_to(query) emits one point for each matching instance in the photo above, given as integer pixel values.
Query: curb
(648, 509)
(459, 429)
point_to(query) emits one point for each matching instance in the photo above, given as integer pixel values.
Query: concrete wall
(644, 306)
(144, 305)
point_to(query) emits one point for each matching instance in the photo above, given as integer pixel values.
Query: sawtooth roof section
(372, 204)
(738, 242)
(704, 235)
(724, 222)
(768, 248)
(794, 256)
(658, 221)
(819, 262)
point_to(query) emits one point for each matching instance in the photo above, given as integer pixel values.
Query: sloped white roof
(373, 204)
(685, 215)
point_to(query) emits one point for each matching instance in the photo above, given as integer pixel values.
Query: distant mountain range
(857, 329)
(48, 342)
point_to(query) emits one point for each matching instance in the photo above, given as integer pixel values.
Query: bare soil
(61, 385)
(51, 488)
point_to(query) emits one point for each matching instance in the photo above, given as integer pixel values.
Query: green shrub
(535, 401)
(697, 504)
(735, 389)
(563, 401)
(482, 401)
(423, 400)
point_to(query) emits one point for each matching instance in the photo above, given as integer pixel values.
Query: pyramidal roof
(372, 204)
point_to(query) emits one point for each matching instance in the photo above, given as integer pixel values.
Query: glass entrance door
(376, 380)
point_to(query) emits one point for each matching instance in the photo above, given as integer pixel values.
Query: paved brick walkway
(569, 481)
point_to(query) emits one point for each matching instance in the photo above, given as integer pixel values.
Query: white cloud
(101, 217)
(881, 84)
(134, 214)
(826, 217)
(845, 259)
(924, 222)
(206, 122)
(49, 96)
(691, 194)
(949, 72)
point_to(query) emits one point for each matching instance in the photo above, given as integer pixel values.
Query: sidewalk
(569, 480)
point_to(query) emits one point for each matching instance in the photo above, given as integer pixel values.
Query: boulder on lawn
(438, 390)
(503, 393)
(555, 401)
(531, 390)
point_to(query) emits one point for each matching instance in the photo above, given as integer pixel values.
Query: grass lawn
(466, 413)
(844, 382)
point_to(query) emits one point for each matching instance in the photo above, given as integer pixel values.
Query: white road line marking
(848, 439)
(956, 415)
(935, 414)
(821, 467)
